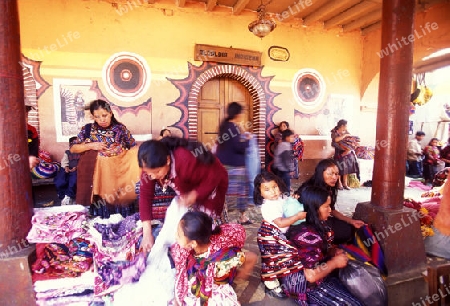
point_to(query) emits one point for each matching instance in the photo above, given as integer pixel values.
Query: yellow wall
(165, 36)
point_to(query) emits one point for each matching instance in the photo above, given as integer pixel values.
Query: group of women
(182, 204)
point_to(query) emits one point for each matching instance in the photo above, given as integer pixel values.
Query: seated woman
(315, 284)
(108, 167)
(326, 175)
(207, 261)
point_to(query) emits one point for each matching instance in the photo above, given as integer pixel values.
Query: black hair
(317, 179)
(312, 197)
(71, 139)
(154, 153)
(433, 139)
(265, 177)
(285, 122)
(162, 132)
(101, 104)
(197, 225)
(233, 110)
(286, 133)
(339, 124)
(420, 133)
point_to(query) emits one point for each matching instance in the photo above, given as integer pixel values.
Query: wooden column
(395, 227)
(15, 182)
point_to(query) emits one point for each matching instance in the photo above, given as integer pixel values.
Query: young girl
(278, 256)
(430, 162)
(207, 260)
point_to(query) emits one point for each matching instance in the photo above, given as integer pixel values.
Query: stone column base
(16, 286)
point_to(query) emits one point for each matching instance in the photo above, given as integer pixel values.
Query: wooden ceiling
(347, 15)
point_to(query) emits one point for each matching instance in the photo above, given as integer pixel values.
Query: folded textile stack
(117, 259)
(63, 256)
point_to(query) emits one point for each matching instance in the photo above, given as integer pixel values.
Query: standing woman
(345, 159)
(108, 168)
(231, 153)
(326, 175)
(197, 177)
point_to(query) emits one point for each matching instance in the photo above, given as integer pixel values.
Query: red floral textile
(232, 235)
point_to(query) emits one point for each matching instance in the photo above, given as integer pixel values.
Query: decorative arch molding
(251, 78)
(34, 87)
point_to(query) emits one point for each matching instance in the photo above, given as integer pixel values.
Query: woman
(326, 175)
(345, 158)
(231, 153)
(284, 125)
(315, 285)
(108, 163)
(199, 180)
(207, 260)
(297, 146)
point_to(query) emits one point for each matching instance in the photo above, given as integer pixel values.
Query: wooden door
(213, 101)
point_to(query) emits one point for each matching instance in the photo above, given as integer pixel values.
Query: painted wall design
(251, 78)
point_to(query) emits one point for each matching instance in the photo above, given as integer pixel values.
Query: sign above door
(208, 53)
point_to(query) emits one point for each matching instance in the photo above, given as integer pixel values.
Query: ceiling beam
(432, 64)
(298, 10)
(347, 15)
(180, 3)
(240, 6)
(333, 5)
(363, 21)
(210, 5)
(371, 28)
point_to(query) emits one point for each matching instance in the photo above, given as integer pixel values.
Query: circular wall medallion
(309, 89)
(126, 76)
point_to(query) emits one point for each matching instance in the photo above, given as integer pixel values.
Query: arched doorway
(213, 100)
(262, 97)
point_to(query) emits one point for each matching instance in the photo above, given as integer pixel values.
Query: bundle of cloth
(349, 143)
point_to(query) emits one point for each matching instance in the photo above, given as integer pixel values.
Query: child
(66, 179)
(207, 260)
(278, 256)
(284, 158)
(431, 160)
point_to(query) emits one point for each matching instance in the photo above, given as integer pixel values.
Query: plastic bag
(364, 282)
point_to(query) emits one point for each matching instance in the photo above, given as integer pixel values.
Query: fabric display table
(83, 260)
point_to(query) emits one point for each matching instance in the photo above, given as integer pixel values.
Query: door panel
(213, 101)
(207, 125)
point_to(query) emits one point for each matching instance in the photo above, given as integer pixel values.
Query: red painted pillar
(395, 227)
(16, 201)
(15, 183)
(393, 104)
